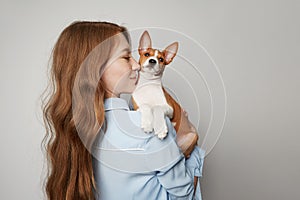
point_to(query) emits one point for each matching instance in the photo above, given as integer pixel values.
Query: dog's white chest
(151, 94)
(153, 106)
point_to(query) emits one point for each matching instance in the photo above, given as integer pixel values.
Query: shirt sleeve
(178, 178)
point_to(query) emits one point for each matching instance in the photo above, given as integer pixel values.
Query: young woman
(94, 145)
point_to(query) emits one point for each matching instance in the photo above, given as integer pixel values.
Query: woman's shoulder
(124, 138)
(126, 124)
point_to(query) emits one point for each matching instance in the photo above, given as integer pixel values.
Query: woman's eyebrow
(127, 50)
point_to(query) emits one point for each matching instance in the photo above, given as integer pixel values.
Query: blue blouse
(130, 164)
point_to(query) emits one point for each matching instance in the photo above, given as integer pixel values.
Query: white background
(255, 45)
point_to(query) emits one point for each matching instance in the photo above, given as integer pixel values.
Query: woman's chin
(129, 89)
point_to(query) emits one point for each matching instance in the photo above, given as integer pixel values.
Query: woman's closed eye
(127, 57)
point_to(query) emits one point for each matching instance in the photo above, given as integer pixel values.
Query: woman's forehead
(123, 43)
(120, 47)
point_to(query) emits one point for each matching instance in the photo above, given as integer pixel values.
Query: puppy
(154, 102)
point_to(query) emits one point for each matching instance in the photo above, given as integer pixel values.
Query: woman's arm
(179, 178)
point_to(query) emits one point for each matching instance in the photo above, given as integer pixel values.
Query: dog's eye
(161, 59)
(146, 54)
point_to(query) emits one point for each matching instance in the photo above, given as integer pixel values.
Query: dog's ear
(145, 42)
(170, 52)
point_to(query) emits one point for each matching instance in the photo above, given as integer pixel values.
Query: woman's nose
(135, 65)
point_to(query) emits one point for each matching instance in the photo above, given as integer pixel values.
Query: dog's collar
(115, 103)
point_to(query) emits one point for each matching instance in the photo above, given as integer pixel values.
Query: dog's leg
(146, 118)
(159, 122)
(168, 111)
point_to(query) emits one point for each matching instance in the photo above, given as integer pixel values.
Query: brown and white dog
(154, 102)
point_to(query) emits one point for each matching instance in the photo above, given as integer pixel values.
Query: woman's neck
(111, 95)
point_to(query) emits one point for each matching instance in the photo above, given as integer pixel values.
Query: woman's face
(120, 76)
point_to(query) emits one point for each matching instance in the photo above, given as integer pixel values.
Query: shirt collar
(115, 103)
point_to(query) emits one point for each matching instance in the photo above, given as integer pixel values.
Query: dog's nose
(152, 61)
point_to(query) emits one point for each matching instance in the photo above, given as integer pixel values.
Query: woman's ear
(170, 52)
(145, 42)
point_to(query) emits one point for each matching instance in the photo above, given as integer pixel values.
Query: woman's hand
(187, 136)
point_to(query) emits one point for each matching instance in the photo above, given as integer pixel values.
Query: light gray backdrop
(255, 45)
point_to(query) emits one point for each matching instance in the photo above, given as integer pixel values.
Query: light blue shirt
(130, 164)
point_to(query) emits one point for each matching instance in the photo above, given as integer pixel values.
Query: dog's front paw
(162, 135)
(147, 125)
(161, 130)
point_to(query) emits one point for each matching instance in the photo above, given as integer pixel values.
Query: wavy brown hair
(73, 108)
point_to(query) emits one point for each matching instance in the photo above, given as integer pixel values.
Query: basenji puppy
(154, 102)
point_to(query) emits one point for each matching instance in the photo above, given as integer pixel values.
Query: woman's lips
(135, 76)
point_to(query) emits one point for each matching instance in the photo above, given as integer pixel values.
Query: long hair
(75, 106)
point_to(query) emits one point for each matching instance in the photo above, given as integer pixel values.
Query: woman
(95, 147)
